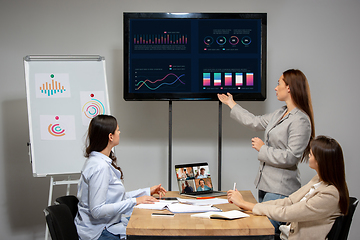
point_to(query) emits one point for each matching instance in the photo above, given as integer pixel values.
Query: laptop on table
(194, 180)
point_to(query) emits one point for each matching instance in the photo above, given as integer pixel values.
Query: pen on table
(234, 186)
(162, 214)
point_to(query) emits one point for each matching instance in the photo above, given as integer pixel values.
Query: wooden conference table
(182, 226)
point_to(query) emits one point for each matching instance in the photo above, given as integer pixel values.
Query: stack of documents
(186, 208)
(185, 205)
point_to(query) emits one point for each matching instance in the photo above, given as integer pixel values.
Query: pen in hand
(229, 196)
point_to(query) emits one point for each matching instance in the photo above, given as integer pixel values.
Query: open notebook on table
(229, 215)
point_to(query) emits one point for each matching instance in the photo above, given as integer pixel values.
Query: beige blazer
(311, 218)
(285, 141)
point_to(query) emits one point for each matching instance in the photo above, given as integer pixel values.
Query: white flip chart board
(63, 94)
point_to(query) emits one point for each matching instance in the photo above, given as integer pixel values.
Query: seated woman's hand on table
(235, 197)
(146, 200)
(158, 189)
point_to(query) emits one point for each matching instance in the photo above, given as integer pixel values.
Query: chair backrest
(341, 227)
(71, 201)
(60, 223)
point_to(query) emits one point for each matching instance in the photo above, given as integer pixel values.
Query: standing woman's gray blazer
(285, 141)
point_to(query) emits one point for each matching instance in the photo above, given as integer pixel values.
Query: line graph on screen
(169, 80)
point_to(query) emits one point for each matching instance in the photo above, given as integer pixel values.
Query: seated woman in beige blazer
(311, 211)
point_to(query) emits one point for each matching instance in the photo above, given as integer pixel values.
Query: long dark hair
(98, 136)
(329, 157)
(300, 94)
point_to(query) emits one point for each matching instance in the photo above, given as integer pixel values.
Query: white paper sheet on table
(175, 207)
(160, 205)
(186, 208)
(203, 202)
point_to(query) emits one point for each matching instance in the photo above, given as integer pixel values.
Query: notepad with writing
(229, 215)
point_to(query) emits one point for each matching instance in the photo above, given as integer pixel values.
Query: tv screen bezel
(255, 96)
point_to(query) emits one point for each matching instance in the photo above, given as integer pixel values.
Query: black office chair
(71, 201)
(341, 227)
(60, 222)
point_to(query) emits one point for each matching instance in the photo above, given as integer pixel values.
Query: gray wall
(319, 37)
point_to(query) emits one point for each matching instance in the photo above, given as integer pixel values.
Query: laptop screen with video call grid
(194, 179)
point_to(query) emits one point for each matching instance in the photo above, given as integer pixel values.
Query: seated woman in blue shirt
(104, 205)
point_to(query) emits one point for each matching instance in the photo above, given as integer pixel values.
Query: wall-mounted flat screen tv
(194, 56)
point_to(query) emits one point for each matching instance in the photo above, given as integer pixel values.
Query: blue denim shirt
(103, 201)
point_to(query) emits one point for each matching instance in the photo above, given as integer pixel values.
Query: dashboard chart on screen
(194, 56)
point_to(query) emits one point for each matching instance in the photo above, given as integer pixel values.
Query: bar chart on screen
(227, 79)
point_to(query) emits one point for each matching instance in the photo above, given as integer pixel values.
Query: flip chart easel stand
(53, 183)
